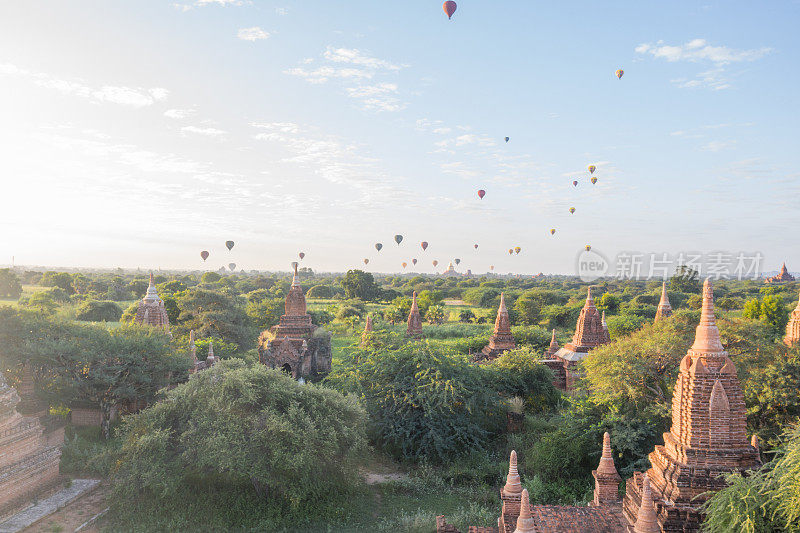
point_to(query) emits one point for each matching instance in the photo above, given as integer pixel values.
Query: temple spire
(589, 298)
(295, 281)
(707, 334)
(211, 359)
(606, 465)
(664, 308)
(192, 346)
(525, 522)
(646, 519)
(367, 329)
(414, 328)
(513, 484)
(606, 478)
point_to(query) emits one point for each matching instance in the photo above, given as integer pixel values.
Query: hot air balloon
(449, 8)
(476, 246)
(593, 180)
(424, 245)
(414, 261)
(575, 183)
(398, 239)
(571, 210)
(619, 73)
(592, 168)
(229, 245)
(405, 265)
(588, 247)
(301, 255)
(204, 255)
(510, 251)
(435, 263)
(481, 194)
(378, 246)
(491, 267)
(517, 250)
(552, 231)
(507, 139)
(232, 266)
(366, 261)
(458, 261)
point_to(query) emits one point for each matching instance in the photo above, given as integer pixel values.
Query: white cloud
(282, 11)
(128, 96)
(208, 132)
(324, 74)
(716, 146)
(252, 34)
(699, 50)
(179, 113)
(357, 57)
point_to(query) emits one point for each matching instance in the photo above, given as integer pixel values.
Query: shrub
(99, 311)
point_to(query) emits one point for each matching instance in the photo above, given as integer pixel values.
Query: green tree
(81, 284)
(210, 277)
(43, 301)
(685, 279)
(609, 302)
(466, 316)
(62, 280)
(361, 285)
(265, 313)
(214, 314)
(435, 314)
(774, 313)
(10, 287)
(99, 311)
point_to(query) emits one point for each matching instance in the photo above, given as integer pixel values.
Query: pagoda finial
(211, 358)
(295, 282)
(513, 484)
(553, 341)
(525, 522)
(368, 325)
(606, 465)
(152, 281)
(589, 298)
(707, 334)
(502, 308)
(646, 518)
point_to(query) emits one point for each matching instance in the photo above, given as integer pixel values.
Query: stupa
(664, 308)
(553, 348)
(782, 277)
(707, 438)
(296, 345)
(367, 329)
(151, 309)
(793, 327)
(414, 328)
(502, 339)
(28, 462)
(450, 271)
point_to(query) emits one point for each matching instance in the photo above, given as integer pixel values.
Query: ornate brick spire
(782, 276)
(295, 300)
(502, 324)
(553, 348)
(367, 329)
(513, 484)
(606, 478)
(707, 438)
(502, 339)
(664, 308)
(525, 522)
(414, 328)
(151, 309)
(646, 519)
(793, 327)
(192, 347)
(589, 332)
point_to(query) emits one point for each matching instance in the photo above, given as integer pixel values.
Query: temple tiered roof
(502, 339)
(664, 308)
(782, 277)
(151, 309)
(589, 332)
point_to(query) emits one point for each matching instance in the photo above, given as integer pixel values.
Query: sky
(136, 134)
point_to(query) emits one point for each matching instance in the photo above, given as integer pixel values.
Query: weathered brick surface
(502, 339)
(414, 328)
(793, 327)
(664, 309)
(782, 277)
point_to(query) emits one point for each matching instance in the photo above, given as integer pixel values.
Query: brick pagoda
(296, 345)
(28, 462)
(414, 328)
(793, 328)
(590, 332)
(502, 339)
(707, 438)
(368, 328)
(517, 515)
(151, 309)
(782, 277)
(664, 308)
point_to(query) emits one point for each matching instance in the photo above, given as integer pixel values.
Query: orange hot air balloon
(366, 261)
(449, 8)
(204, 255)
(619, 73)
(424, 245)
(575, 183)
(593, 180)
(510, 251)
(435, 263)
(571, 210)
(405, 265)
(476, 246)
(301, 255)
(413, 261)
(592, 168)
(491, 267)
(481, 194)
(552, 231)
(517, 250)
(588, 247)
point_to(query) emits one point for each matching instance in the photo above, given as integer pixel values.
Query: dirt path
(74, 514)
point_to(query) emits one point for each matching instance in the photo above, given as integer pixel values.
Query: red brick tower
(414, 321)
(664, 308)
(367, 329)
(553, 348)
(502, 339)
(606, 478)
(707, 437)
(589, 330)
(793, 327)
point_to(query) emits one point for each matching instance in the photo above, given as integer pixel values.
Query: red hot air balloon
(204, 255)
(449, 8)
(476, 246)
(301, 255)
(414, 261)
(575, 183)
(424, 245)
(481, 194)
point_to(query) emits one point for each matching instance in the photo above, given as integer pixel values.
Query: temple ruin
(502, 339)
(151, 309)
(664, 308)
(414, 328)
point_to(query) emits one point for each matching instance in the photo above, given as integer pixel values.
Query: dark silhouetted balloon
(204, 255)
(507, 139)
(476, 246)
(366, 261)
(449, 8)
(378, 246)
(424, 245)
(301, 255)
(414, 261)
(232, 266)
(481, 194)
(398, 239)
(575, 183)
(458, 261)
(229, 245)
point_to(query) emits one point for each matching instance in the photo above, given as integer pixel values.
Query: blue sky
(139, 133)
